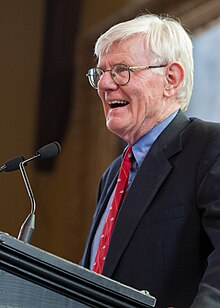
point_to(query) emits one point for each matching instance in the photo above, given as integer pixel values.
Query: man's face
(144, 104)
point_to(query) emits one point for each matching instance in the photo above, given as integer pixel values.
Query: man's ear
(174, 78)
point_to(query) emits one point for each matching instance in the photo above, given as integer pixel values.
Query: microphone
(48, 151)
(12, 164)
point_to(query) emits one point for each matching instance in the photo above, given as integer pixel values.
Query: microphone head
(12, 164)
(50, 150)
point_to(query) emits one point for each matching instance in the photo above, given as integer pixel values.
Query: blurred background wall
(46, 49)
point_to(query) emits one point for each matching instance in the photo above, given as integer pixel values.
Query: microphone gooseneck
(47, 151)
(28, 225)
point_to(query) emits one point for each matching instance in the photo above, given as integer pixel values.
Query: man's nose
(106, 82)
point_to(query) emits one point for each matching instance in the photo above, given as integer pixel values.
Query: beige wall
(21, 28)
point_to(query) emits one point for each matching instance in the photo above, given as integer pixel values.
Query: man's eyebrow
(119, 63)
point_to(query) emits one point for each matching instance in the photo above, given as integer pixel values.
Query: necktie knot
(128, 154)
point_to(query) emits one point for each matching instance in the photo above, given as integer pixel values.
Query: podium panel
(31, 277)
(18, 292)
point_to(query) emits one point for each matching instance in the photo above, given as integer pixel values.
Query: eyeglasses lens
(94, 75)
(120, 74)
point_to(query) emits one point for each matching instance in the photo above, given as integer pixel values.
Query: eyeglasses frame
(129, 68)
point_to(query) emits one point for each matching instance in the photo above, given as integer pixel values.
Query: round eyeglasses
(120, 73)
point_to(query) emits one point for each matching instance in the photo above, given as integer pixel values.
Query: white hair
(164, 37)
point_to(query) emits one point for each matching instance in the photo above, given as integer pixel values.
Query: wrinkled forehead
(133, 47)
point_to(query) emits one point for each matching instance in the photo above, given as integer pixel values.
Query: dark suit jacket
(167, 235)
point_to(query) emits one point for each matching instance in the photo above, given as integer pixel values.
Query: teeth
(118, 102)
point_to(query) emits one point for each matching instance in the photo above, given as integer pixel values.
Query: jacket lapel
(153, 172)
(104, 198)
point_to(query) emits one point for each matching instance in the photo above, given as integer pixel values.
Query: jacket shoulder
(204, 129)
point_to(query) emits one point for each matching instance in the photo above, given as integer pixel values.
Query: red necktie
(120, 191)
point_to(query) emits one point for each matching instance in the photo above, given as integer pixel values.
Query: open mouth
(116, 104)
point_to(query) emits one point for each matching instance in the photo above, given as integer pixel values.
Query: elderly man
(157, 221)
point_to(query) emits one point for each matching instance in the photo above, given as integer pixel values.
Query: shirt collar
(143, 145)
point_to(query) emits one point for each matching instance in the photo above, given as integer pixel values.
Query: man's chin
(117, 130)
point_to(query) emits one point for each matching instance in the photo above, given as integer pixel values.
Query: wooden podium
(31, 277)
